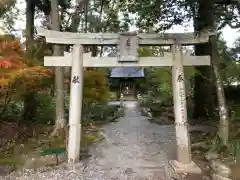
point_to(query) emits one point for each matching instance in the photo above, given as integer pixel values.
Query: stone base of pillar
(185, 168)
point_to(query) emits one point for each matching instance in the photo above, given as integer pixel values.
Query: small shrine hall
(124, 81)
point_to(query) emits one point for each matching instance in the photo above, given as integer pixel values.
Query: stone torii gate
(127, 56)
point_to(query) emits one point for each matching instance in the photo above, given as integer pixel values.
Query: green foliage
(13, 112)
(159, 81)
(236, 49)
(165, 89)
(45, 109)
(8, 13)
(147, 99)
(95, 87)
(145, 52)
(236, 110)
(228, 64)
(158, 15)
(100, 113)
(49, 151)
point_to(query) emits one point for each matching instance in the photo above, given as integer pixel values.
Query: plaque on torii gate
(128, 47)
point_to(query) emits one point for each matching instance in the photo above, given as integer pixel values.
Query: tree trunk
(30, 13)
(30, 102)
(60, 122)
(206, 20)
(204, 98)
(223, 130)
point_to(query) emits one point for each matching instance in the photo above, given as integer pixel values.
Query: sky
(229, 35)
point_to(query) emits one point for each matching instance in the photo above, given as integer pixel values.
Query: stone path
(134, 149)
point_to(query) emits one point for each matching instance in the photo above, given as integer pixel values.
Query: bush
(13, 112)
(45, 110)
(99, 112)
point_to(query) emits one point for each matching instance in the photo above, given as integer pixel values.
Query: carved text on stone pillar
(182, 102)
(180, 78)
(75, 79)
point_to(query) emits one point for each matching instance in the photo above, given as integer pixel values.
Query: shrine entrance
(127, 89)
(126, 81)
(127, 56)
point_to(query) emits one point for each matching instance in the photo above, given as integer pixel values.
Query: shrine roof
(127, 72)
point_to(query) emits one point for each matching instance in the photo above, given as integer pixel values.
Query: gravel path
(134, 149)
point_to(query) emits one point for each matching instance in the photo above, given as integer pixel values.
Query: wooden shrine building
(124, 81)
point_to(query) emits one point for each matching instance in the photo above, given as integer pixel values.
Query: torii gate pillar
(75, 109)
(184, 163)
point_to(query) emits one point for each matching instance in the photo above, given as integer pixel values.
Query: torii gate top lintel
(125, 59)
(162, 39)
